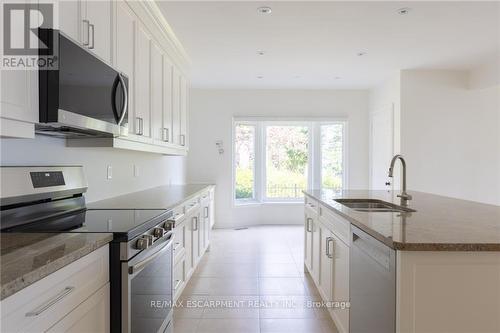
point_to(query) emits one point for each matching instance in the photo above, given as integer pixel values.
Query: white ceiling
(310, 44)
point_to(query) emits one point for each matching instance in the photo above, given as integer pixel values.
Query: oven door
(147, 289)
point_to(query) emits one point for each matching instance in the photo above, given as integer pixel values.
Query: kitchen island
(433, 269)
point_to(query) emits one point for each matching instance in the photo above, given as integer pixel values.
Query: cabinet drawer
(338, 225)
(44, 303)
(90, 316)
(205, 196)
(191, 205)
(311, 204)
(179, 277)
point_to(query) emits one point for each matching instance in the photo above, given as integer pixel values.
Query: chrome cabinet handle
(195, 221)
(178, 282)
(92, 45)
(164, 134)
(308, 224)
(206, 212)
(65, 292)
(183, 140)
(87, 23)
(140, 126)
(329, 240)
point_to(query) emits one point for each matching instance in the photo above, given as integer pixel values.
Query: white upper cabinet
(176, 107)
(89, 23)
(183, 110)
(157, 92)
(167, 99)
(70, 20)
(96, 24)
(124, 51)
(18, 99)
(142, 89)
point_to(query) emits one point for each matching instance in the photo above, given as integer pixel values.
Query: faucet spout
(405, 197)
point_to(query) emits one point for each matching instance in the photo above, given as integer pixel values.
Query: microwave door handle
(125, 99)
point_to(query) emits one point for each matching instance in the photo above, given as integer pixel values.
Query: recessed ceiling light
(360, 54)
(404, 11)
(260, 52)
(260, 77)
(264, 10)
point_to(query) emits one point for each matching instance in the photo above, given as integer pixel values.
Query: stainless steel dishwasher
(372, 285)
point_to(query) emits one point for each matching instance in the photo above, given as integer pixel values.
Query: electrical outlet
(109, 172)
(136, 171)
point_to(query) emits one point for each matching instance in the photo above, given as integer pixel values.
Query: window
(274, 161)
(244, 158)
(332, 136)
(286, 161)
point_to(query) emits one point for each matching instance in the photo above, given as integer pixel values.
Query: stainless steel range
(51, 199)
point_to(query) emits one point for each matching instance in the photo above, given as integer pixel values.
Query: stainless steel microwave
(82, 95)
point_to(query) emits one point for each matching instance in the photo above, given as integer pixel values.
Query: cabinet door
(142, 83)
(90, 316)
(212, 210)
(18, 97)
(183, 96)
(206, 231)
(70, 18)
(201, 234)
(98, 14)
(167, 99)
(156, 92)
(326, 263)
(176, 107)
(195, 225)
(316, 250)
(340, 282)
(188, 245)
(308, 239)
(124, 52)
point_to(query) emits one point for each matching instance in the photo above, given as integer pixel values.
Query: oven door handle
(136, 268)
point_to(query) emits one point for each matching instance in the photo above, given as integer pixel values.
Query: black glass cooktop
(124, 224)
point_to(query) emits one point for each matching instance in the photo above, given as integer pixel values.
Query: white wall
(154, 170)
(384, 136)
(450, 133)
(211, 114)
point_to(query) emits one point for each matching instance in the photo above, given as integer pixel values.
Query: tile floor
(252, 281)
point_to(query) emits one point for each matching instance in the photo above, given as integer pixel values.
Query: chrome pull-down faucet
(405, 197)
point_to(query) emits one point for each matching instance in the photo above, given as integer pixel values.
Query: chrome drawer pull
(50, 302)
(308, 221)
(177, 284)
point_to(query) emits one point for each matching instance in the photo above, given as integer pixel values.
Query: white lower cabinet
(326, 257)
(340, 283)
(90, 316)
(191, 237)
(325, 263)
(75, 298)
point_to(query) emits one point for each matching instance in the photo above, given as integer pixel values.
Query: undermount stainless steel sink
(373, 205)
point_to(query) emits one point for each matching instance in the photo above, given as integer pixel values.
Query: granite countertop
(161, 197)
(439, 223)
(28, 257)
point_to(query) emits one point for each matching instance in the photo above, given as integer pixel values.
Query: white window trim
(314, 156)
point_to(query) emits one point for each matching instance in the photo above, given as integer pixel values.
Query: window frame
(314, 176)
